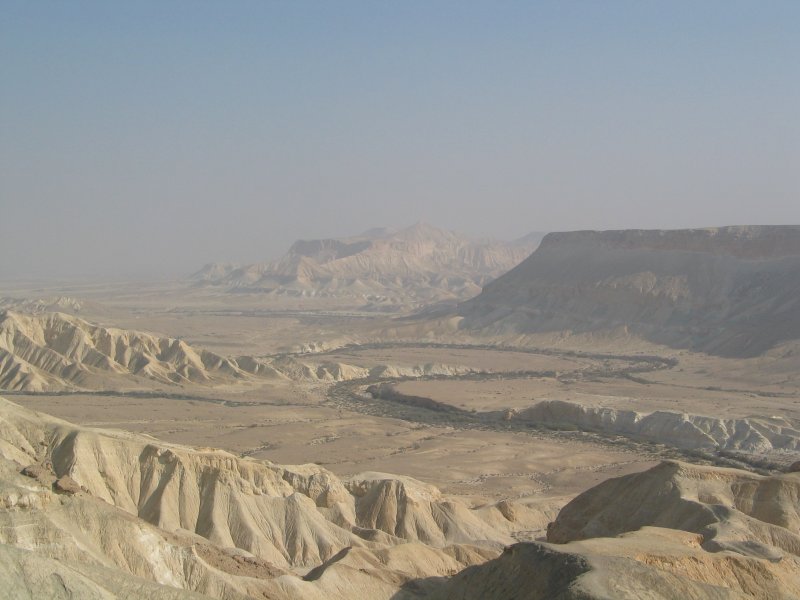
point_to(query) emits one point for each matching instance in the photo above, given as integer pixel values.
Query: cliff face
(732, 291)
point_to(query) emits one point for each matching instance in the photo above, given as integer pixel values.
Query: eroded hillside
(59, 351)
(91, 513)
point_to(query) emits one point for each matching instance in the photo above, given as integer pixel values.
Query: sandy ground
(682, 389)
(289, 422)
(482, 359)
(291, 427)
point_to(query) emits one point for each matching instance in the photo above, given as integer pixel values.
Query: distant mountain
(64, 304)
(214, 271)
(417, 264)
(731, 291)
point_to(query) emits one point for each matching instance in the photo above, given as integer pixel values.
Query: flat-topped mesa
(732, 291)
(743, 241)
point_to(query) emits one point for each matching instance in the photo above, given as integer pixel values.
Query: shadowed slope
(677, 531)
(731, 509)
(732, 291)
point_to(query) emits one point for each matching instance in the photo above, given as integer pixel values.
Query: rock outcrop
(758, 435)
(58, 352)
(732, 510)
(677, 531)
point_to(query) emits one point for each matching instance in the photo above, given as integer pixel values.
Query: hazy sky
(153, 137)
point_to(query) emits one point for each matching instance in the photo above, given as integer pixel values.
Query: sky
(145, 139)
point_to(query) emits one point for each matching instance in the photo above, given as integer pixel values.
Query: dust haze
(150, 141)
(400, 302)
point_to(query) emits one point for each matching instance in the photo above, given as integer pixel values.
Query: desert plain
(319, 428)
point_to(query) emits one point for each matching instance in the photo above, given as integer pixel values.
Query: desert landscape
(399, 300)
(467, 450)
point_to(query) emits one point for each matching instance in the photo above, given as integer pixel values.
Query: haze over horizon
(150, 139)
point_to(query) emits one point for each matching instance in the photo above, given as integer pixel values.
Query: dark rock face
(35, 471)
(66, 485)
(525, 571)
(732, 291)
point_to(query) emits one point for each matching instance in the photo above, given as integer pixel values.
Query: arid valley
(414, 430)
(349, 300)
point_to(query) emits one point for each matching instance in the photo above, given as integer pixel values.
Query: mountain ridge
(420, 263)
